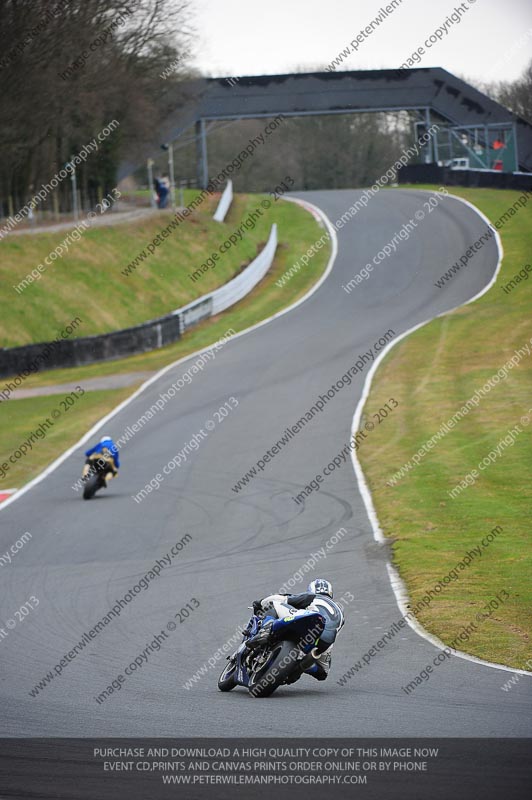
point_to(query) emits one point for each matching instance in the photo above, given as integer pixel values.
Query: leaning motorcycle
(94, 478)
(280, 659)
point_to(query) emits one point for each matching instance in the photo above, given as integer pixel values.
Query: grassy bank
(432, 374)
(88, 280)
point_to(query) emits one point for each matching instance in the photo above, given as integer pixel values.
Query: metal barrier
(210, 304)
(240, 286)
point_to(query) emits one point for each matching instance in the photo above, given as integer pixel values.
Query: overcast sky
(238, 37)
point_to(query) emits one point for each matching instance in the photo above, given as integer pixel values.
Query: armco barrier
(240, 286)
(225, 201)
(231, 292)
(150, 335)
(195, 312)
(87, 349)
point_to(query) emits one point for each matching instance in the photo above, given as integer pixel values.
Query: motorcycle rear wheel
(91, 487)
(280, 665)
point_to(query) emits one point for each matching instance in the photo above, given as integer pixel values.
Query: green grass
(431, 374)
(298, 231)
(88, 282)
(188, 195)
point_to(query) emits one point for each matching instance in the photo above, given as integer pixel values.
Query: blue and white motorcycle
(274, 651)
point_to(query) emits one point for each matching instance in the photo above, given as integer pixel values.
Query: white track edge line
(398, 586)
(96, 427)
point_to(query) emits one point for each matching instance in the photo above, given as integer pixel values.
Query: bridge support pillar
(428, 151)
(201, 151)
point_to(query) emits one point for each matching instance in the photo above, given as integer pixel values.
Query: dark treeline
(67, 69)
(515, 95)
(335, 151)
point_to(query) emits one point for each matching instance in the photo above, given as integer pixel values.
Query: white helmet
(321, 586)
(105, 439)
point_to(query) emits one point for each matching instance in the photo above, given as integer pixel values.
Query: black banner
(445, 176)
(196, 769)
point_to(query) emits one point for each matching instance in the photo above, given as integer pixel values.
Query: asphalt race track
(84, 556)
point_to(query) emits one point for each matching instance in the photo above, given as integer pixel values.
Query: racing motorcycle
(97, 467)
(273, 652)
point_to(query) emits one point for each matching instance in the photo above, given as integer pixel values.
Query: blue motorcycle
(273, 652)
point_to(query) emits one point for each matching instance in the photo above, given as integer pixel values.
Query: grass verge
(431, 374)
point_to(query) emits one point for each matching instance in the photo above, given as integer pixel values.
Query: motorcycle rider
(107, 450)
(318, 597)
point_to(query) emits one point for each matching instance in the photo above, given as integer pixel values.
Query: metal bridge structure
(472, 126)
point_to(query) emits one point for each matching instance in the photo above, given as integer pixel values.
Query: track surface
(85, 555)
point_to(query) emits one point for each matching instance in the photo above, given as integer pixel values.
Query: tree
(517, 96)
(514, 95)
(331, 151)
(68, 68)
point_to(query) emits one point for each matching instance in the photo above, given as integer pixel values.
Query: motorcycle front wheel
(227, 681)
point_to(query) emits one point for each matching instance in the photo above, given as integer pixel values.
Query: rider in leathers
(318, 597)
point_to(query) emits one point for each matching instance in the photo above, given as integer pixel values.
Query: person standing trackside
(162, 187)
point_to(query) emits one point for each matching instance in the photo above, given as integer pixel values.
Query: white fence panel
(225, 201)
(242, 285)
